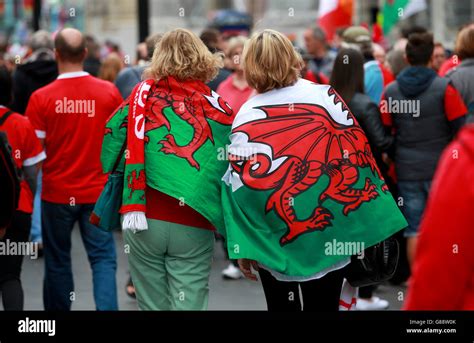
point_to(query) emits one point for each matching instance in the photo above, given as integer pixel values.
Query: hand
(246, 266)
(2, 232)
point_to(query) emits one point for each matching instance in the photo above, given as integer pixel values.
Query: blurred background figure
(462, 77)
(235, 88)
(37, 70)
(379, 53)
(128, 78)
(216, 43)
(317, 46)
(439, 56)
(111, 67)
(92, 62)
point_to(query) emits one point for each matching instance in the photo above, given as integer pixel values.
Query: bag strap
(5, 117)
(119, 158)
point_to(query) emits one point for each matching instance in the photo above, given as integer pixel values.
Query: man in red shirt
(27, 154)
(69, 115)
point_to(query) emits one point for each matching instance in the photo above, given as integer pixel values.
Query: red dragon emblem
(194, 105)
(136, 182)
(312, 144)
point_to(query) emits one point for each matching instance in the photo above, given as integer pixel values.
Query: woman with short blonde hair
(295, 156)
(171, 201)
(271, 61)
(181, 54)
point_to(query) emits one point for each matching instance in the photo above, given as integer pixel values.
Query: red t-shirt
(26, 151)
(442, 277)
(70, 115)
(166, 208)
(234, 96)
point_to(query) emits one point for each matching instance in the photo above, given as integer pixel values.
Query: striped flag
(334, 14)
(396, 10)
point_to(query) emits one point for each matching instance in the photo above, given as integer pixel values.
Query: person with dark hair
(347, 78)
(376, 76)
(462, 77)
(215, 42)
(69, 116)
(426, 111)
(317, 46)
(439, 56)
(128, 78)
(92, 62)
(27, 154)
(38, 70)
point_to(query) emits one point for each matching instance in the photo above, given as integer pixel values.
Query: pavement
(224, 294)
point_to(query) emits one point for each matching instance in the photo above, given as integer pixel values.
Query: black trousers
(10, 265)
(317, 295)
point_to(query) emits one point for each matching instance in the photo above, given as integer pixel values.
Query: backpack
(9, 179)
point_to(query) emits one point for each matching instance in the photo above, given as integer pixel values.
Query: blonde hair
(271, 61)
(181, 54)
(234, 43)
(465, 42)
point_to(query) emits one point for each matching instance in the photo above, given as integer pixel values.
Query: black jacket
(28, 78)
(368, 115)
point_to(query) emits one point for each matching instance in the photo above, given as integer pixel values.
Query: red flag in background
(334, 14)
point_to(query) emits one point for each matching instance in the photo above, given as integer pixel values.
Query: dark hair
(347, 76)
(6, 87)
(151, 42)
(210, 38)
(419, 48)
(408, 30)
(73, 54)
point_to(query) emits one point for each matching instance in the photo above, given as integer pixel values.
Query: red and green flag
(185, 134)
(302, 181)
(396, 10)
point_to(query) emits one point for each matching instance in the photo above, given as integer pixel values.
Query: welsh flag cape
(186, 130)
(302, 181)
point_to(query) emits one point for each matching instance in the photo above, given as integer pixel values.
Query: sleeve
(384, 112)
(442, 272)
(36, 116)
(454, 105)
(375, 130)
(373, 83)
(32, 150)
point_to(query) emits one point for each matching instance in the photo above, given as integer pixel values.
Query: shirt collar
(72, 75)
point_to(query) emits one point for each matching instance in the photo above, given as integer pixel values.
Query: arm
(454, 108)
(375, 130)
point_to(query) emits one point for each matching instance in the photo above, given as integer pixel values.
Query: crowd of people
(69, 96)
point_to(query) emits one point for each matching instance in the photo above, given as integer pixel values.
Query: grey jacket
(462, 78)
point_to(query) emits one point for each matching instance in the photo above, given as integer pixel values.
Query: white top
(72, 75)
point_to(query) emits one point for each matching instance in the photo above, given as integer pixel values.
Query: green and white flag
(396, 10)
(303, 189)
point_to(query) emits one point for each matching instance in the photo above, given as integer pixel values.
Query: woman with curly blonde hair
(171, 201)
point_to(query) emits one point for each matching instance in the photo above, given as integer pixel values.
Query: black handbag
(378, 264)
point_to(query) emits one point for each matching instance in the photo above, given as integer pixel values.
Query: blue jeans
(35, 235)
(58, 221)
(414, 195)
